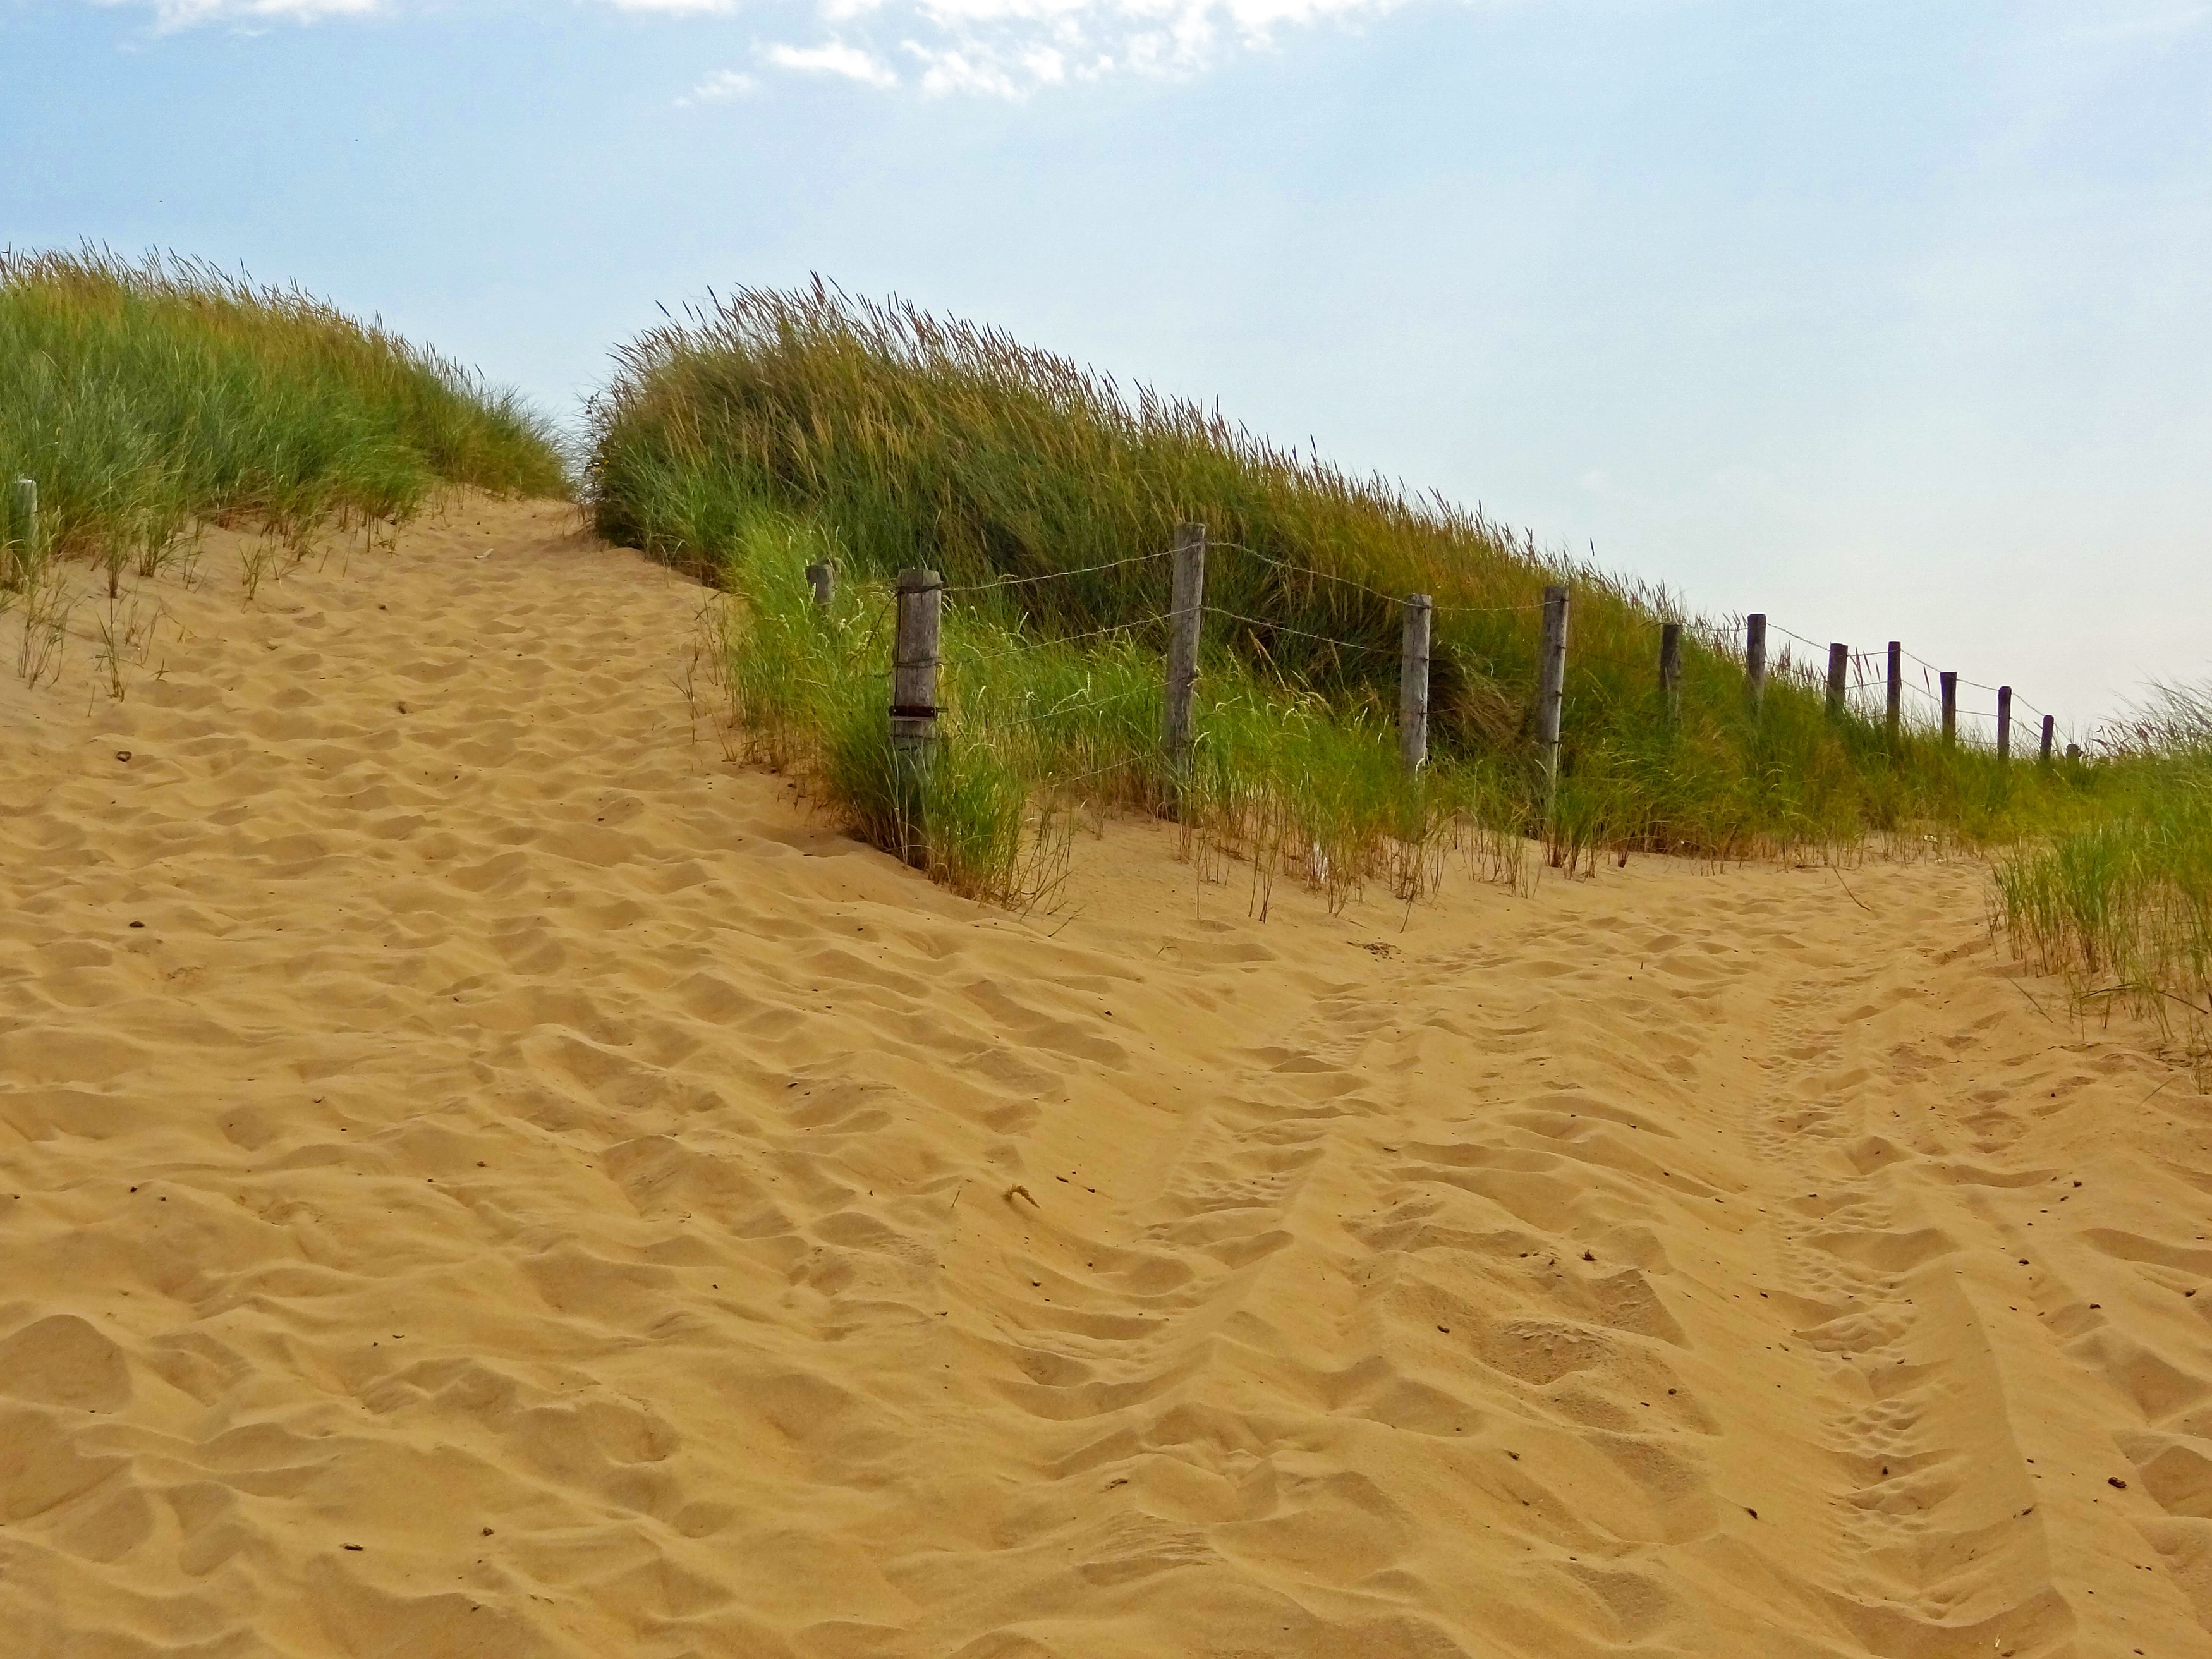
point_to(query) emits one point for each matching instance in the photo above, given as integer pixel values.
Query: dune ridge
(483, 1173)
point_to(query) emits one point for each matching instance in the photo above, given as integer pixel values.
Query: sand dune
(482, 1174)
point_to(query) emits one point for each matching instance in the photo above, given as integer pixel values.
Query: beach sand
(483, 1173)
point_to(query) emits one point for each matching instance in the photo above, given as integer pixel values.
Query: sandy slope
(525, 1190)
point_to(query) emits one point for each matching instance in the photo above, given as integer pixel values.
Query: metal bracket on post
(914, 707)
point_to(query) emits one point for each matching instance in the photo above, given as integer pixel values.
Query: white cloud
(993, 70)
(835, 57)
(1008, 48)
(1012, 48)
(720, 88)
(170, 14)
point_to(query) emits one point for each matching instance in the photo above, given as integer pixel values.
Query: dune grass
(896, 440)
(2120, 900)
(143, 398)
(1038, 737)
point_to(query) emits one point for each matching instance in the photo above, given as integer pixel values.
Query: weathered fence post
(1413, 682)
(823, 577)
(1839, 669)
(1893, 711)
(1186, 611)
(1754, 657)
(1670, 666)
(2004, 722)
(2049, 725)
(1950, 680)
(2073, 751)
(1552, 687)
(914, 707)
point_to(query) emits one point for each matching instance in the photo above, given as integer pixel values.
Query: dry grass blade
(46, 601)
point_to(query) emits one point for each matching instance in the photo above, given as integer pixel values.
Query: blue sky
(1889, 320)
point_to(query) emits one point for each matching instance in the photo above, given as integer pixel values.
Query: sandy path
(526, 1190)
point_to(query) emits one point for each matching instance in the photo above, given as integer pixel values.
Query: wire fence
(1393, 600)
(1300, 633)
(1864, 676)
(1026, 646)
(1056, 576)
(1082, 700)
(1866, 684)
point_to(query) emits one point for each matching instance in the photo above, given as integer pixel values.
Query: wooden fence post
(1839, 669)
(1754, 657)
(1894, 710)
(2049, 725)
(2073, 751)
(1950, 680)
(914, 706)
(1186, 612)
(1670, 667)
(1413, 682)
(2004, 722)
(824, 579)
(1552, 687)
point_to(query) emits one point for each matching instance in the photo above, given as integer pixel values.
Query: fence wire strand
(1055, 575)
(1043, 642)
(1364, 588)
(1079, 702)
(1133, 758)
(1307, 571)
(1279, 628)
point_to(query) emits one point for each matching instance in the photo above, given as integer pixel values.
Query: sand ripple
(484, 1175)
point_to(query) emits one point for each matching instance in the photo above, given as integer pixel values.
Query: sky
(1888, 319)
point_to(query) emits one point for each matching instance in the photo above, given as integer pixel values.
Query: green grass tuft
(2119, 901)
(143, 398)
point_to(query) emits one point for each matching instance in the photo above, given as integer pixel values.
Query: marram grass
(1038, 737)
(903, 441)
(145, 398)
(2120, 900)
